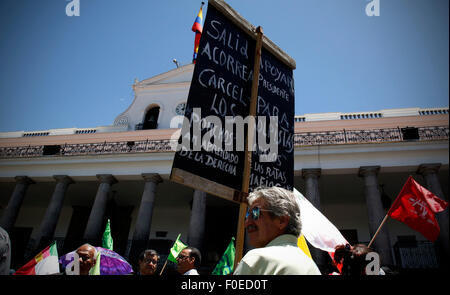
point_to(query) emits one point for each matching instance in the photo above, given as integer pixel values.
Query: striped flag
(45, 263)
(197, 28)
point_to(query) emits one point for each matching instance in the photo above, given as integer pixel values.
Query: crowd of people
(273, 225)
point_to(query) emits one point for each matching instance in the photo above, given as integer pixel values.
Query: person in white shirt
(273, 226)
(188, 261)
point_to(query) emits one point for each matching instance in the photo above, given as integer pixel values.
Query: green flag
(177, 247)
(225, 266)
(95, 270)
(107, 240)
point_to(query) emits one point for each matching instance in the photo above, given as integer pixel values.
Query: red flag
(415, 206)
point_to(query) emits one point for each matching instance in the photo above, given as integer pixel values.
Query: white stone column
(142, 229)
(48, 224)
(430, 174)
(376, 213)
(197, 221)
(94, 225)
(15, 202)
(312, 193)
(311, 177)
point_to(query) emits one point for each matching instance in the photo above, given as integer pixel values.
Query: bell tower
(158, 100)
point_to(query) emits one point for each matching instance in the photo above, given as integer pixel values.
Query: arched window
(151, 118)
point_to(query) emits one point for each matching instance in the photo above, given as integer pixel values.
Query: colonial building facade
(64, 184)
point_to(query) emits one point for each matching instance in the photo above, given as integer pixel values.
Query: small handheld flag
(44, 263)
(107, 240)
(95, 270)
(225, 266)
(197, 28)
(177, 247)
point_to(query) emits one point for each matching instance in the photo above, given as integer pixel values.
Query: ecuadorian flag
(197, 27)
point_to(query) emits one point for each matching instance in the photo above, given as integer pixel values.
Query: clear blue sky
(61, 72)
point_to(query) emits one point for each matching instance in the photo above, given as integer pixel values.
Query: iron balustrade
(300, 139)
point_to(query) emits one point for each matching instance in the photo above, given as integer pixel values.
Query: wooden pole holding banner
(378, 230)
(248, 150)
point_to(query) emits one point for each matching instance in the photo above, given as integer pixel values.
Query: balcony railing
(367, 136)
(154, 146)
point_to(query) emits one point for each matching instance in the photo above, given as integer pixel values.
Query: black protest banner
(220, 87)
(210, 155)
(275, 98)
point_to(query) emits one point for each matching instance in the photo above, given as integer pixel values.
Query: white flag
(316, 228)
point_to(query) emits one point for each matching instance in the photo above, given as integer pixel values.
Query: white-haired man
(273, 226)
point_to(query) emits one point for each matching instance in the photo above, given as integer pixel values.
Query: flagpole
(385, 217)
(378, 230)
(163, 267)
